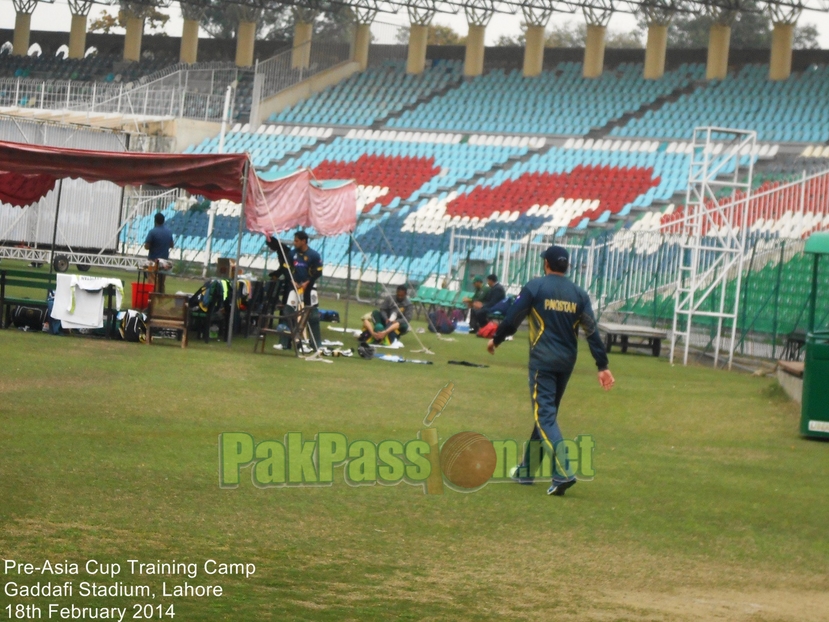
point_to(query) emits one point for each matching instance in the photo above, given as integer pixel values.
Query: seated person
(494, 302)
(476, 302)
(391, 321)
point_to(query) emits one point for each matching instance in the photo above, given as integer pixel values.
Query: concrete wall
(495, 57)
(188, 132)
(509, 58)
(792, 385)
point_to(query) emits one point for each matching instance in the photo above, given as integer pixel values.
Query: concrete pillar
(189, 50)
(719, 39)
(301, 52)
(473, 62)
(655, 51)
(245, 38)
(594, 51)
(132, 40)
(780, 65)
(534, 51)
(77, 37)
(22, 32)
(362, 42)
(418, 36)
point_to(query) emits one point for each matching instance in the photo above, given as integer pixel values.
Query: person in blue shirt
(307, 269)
(159, 242)
(555, 308)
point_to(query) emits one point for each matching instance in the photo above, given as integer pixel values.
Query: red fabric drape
(22, 190)
(215, 176)
(29, 172)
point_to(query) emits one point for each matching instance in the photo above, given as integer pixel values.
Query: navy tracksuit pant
(546, 390)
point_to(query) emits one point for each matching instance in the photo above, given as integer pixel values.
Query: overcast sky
(57, 17)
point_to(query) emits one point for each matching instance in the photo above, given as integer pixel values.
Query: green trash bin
(814, 415)
(814, 420)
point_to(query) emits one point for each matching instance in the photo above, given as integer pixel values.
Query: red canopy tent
(29, 172)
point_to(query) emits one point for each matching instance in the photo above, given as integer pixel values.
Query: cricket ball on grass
(468, 459)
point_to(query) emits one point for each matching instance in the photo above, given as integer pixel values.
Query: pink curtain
(29, 172)
(333, 210)
(278, 205)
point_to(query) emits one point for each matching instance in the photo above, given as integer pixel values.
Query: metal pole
(813, 296)
(451, 252)
(746, 285)
(211, 218)
(505, 277)
(777, 300)
(348, 279)
(55, 229)
(245, 173)
(225, 114)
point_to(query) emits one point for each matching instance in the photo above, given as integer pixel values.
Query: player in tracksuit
(307, 268)
(555, 308)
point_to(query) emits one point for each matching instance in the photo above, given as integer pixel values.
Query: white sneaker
(278, 347)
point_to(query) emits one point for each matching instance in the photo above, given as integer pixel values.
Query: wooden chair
(269, 324)
(168, 311)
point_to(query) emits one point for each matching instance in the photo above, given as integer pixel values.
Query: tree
(274, 24)
(277, 23)
(439, 34)
(566, 35)
(154, 22)
(573, 35)
(751, 29)
(806, 37)
(619, 39)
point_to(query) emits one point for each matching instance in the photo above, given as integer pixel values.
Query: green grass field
(706, 504)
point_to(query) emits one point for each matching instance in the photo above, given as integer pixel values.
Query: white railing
(802, 202)
(195, 92)
(291, 67)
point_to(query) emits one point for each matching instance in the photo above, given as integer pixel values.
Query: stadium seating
(775, 298)
(556, 102)
(371, 95)
(451, 162)
(437, 157)
(267, 145)
(783, 111)
(97, 68)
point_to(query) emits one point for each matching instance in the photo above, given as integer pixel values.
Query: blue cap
(557, 258)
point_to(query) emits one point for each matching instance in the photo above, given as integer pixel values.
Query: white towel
(79, 300)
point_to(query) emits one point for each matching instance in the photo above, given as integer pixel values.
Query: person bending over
(391, 320)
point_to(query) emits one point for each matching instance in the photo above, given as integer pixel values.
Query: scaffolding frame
(714, 235)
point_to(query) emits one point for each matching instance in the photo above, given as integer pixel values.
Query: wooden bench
(23, 279)
(648, 338)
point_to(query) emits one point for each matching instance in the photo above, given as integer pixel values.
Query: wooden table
(647, 338)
